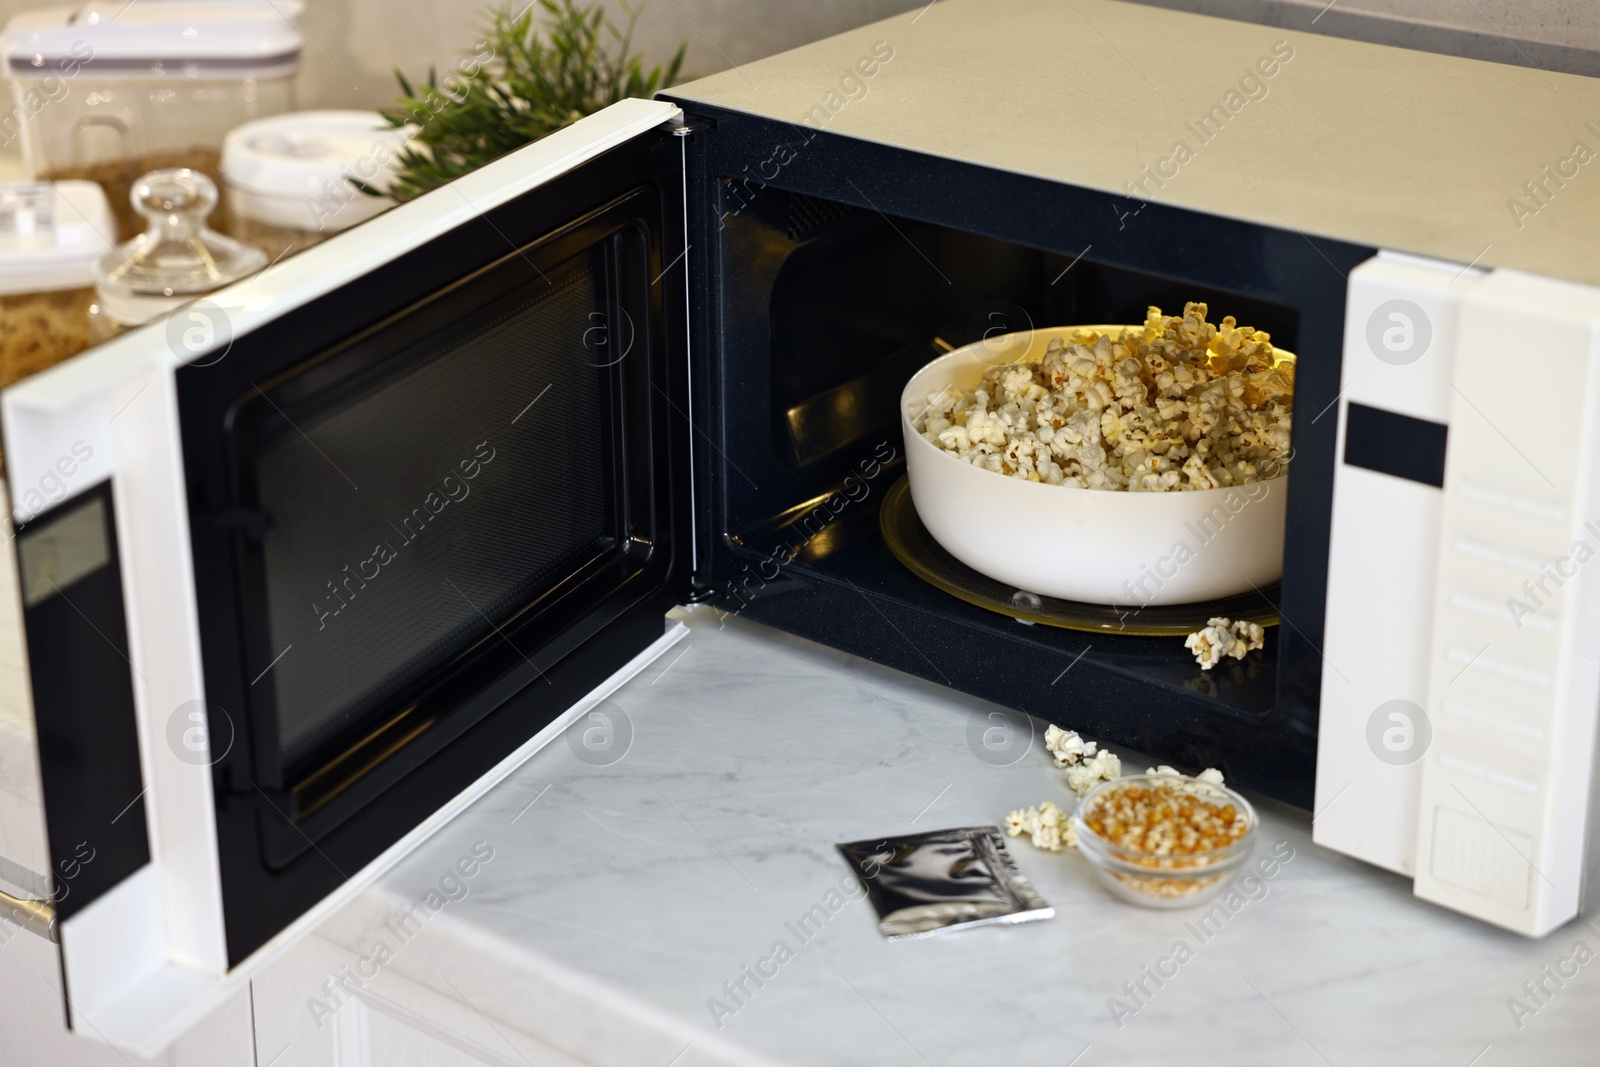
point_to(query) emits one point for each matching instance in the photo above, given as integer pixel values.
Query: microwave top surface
(1458, 159)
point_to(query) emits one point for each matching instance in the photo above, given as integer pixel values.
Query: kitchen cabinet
(303, 1019)
(33, 1029)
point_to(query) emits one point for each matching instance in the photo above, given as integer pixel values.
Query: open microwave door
(438, 490)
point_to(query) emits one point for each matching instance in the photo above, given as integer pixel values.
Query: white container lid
(293, 170)
(158, 38)
(52, 235)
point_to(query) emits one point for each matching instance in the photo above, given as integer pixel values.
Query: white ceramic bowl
(1091, 545)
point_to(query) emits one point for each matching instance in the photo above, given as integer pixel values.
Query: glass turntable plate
(913, 546)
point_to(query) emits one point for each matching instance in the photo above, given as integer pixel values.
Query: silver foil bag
(943, 880)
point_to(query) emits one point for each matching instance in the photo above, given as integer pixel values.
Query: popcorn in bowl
(1178, 404)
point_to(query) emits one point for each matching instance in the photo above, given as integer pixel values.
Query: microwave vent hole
(808, 213)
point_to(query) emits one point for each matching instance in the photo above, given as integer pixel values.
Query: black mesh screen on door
(433, 502)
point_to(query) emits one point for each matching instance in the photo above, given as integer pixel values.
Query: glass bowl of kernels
(1164, 840)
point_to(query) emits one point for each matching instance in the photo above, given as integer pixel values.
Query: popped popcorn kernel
(1094, 768)
(1066, 746)
(1224, 637)
(1046, 825)
(1210, 776)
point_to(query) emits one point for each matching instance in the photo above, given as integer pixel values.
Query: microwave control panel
(75, 620)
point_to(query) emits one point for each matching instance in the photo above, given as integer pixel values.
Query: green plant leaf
(541, 75)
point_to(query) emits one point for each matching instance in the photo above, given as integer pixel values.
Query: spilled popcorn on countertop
(1085, 762)
(1047, 826)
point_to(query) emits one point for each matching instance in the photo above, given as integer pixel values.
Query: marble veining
(624, 902)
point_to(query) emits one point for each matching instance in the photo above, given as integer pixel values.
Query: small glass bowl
(1152, 880)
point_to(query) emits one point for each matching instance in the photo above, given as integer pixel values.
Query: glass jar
(51, 239)
(177, 260)
(288, 177)
(106, 92)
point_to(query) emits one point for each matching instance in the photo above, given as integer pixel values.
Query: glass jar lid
(177, 258)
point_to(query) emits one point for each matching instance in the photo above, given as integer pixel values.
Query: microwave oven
(301, 565)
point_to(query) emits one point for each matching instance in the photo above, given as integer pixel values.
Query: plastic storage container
(52, 237)
(109, 91)
(176, 261)
(287, 177)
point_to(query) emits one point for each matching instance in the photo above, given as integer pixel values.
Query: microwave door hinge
(690, 125)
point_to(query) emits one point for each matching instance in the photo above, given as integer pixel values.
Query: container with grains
(51, 237)
(108, 94)
(1164, 841)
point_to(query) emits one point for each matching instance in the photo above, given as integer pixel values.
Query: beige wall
(1575, 23)
(353, 46)
(358, 43)
(1547, 34)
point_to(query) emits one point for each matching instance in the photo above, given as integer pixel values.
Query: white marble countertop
(621, 898)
